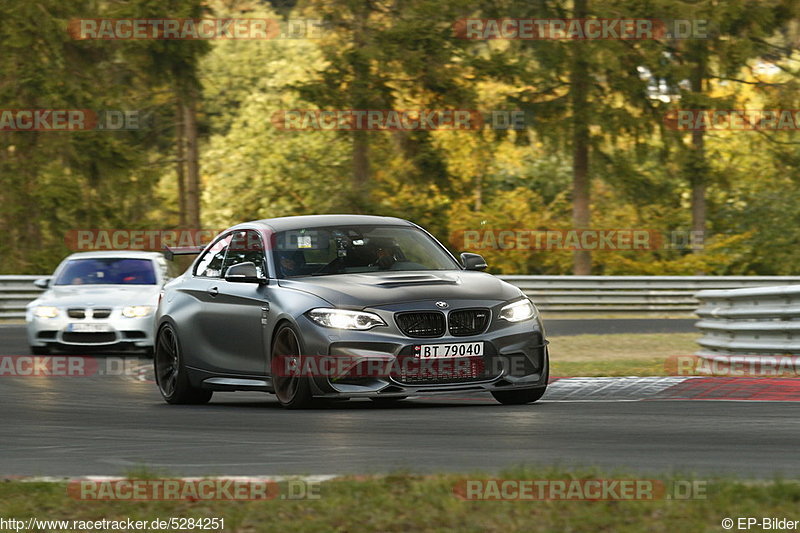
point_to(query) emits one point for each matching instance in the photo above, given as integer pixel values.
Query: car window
(210, 263)
(246, 246)
(107, 271)
(357, 249)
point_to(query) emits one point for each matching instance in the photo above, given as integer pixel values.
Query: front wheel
(389, 401)
(523, 396)
(292, 391)
(171, 376)
(519, 397)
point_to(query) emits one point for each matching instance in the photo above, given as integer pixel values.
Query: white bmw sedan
(98, 299)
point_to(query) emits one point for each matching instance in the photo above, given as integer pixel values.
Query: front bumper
(515, 357)
(389, 388)
(118, 331)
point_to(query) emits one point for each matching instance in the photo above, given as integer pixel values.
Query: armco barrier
(15, 293)
(762, 321)
(653, 295)
(555, 295)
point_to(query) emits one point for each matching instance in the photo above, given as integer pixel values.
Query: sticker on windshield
(304, 241)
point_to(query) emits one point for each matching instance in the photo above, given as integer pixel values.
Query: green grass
(402, 502)
(641, 354)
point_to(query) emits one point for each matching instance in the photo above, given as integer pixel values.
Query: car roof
(123, 254)
(316, 221)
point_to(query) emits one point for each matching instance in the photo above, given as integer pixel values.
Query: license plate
(446, 351)
(88, 328)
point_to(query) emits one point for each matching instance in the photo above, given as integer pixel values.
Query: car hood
(379, 288)
(99, 296)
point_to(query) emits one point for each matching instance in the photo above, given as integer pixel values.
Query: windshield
(108, 271)
(355, 249)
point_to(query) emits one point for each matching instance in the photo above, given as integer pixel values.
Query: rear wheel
(292, 391)
(171, 376)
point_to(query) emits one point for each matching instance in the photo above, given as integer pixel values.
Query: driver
(385, 259)
(289, 266)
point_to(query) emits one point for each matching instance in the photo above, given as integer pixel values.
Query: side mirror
(42, 283)
(243, 273)
(473, 261)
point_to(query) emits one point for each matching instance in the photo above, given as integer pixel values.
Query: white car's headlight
(137, 311)
(46, 311)
(345, 319)
(518, 311)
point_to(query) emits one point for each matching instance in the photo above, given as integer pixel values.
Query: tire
(171, 376)
(40, 350)
(388, 402)
(293, 392)
(523, 396)
(520, 396)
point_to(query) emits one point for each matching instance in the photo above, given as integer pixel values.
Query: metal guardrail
(763, 321)
(563, 295)
(647, 295)
(15, 293)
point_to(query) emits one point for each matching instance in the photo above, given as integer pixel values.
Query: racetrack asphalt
(111, 425)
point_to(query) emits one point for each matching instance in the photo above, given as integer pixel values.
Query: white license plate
(89, 328)
(446, 351)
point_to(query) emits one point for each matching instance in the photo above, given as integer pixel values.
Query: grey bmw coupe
(343, 306)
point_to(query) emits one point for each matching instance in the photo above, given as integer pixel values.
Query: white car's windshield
(107, 271)
(354, 249)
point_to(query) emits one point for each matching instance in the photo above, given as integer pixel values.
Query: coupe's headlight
(137, 311)
(345, 319)
(518, 311)
(46, 311)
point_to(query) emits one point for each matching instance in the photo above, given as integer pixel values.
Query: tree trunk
(698, 192)
(180, 163)
(698, 167)
(360, 99)
(478, 191)
(579, 82)
(192, 165)
(361, 170)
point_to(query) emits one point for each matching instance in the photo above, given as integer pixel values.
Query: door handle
(213, 291)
